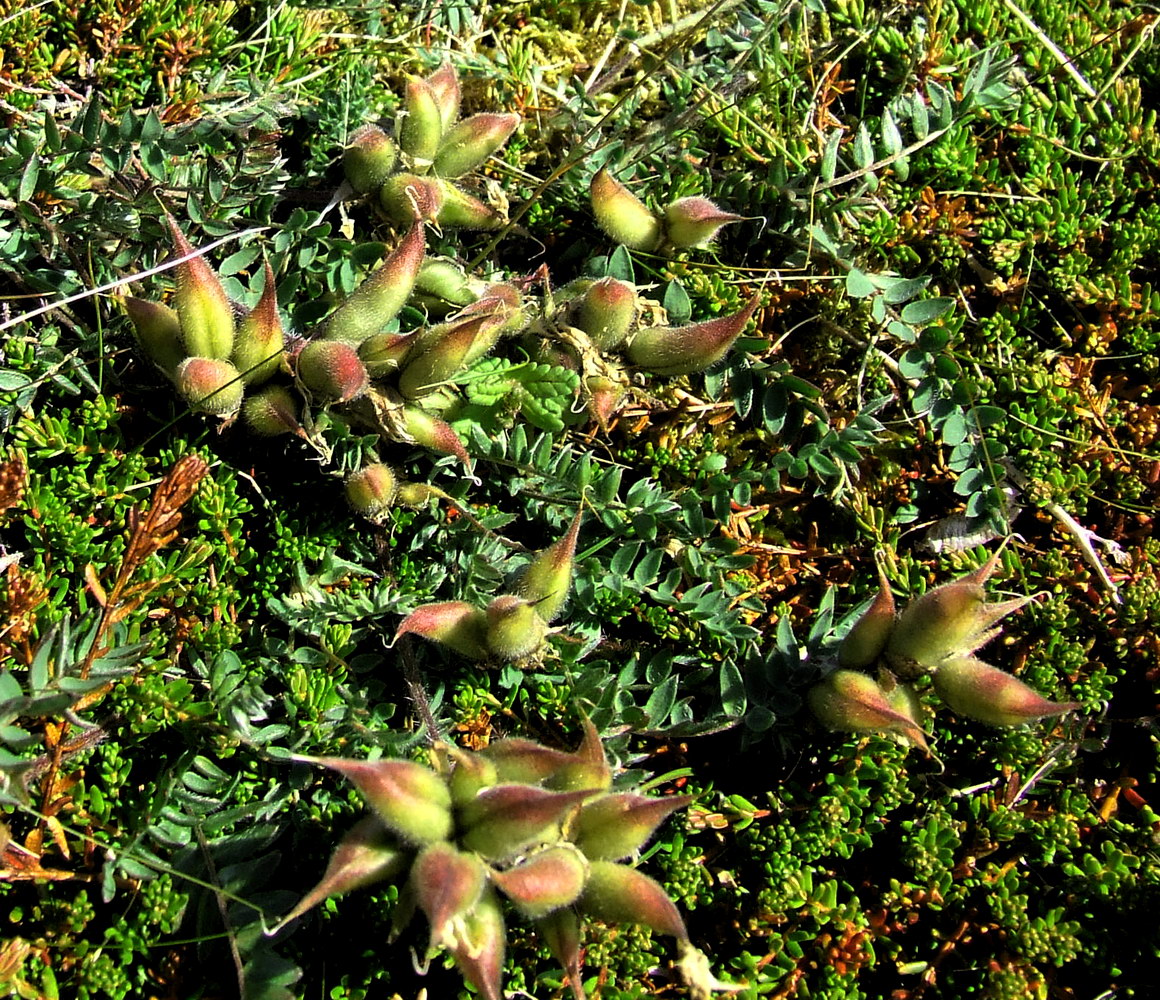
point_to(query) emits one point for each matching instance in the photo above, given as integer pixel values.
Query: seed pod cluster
(520, 822)
(936, 634)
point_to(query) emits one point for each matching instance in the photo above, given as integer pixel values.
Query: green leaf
(830, 155)
(732, 687)
(676, 303)
(620, 265)
(927, 310)
(891, 137)
(858, 284)
(661, 701)
(863, 147)
(28, 180)
(10, 380)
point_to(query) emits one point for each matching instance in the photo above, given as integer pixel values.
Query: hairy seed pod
(409, 198)
(158, 330)
(383, 353)
(331, 370)
(444, 351)
(210, 385)
(421, 126)
(459, 210)
(446, 281)
(514, 627)
(434, 434)
(687, 349)
(864, 643)
(620, 895)
(411, 800)
(369, 158)
(544, 881)
(607, 311)
(456, 624)
(203, 308)
(473, 140)
(366, 855)
(378, 300)
(546, 580)
(604, 396)
(504, 820)
(444, 86)
(448, 884)
(979, 691)
(372, 489)
(560, 931)
(622, 215)
(260, 340)
(851, 701)
(693, 222)
(614, 826)
(271, 411)
(479, 950)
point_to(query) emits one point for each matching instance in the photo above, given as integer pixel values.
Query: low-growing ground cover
(945, 218)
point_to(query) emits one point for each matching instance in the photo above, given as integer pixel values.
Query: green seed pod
(455, 624)
(383, 353)
(614, 826)
(545, 881)
(479, 949)
(693, 222)
(560, 931)
(444, 351)
(409, 198)
(378, 300)
(448, 884)
(421, 126)
(210, 385)
(470, 774)
(331, 370)
(371, 490)
(588, 769)
(158, 332)
(864, 643)
(271, 411)
(369, 159)
(504, 820)
(514, 627)
(620, 895)
(607, 311)
(979, 691)
(366, 855)
(203, 308)
(687, 349)
(444, 86)
(473, 140)
(434, 434)
(415, 495)
(851, 701)
(260, 341)
(411, 800)
(444, 280)
(546, 580)
(459, 210)
(622, 215)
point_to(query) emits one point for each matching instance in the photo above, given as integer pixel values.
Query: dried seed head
(210, 385)
(271, 411)
(686, 349)
(203, 308)
(369, 159)
(331, 370)
(456, 624)
(693, 222)
(473, 140)
(979, 691)
(622, 215)
(371, 490)
(259, 341)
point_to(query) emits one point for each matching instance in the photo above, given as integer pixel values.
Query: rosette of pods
(515, 827)
(936, 634)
